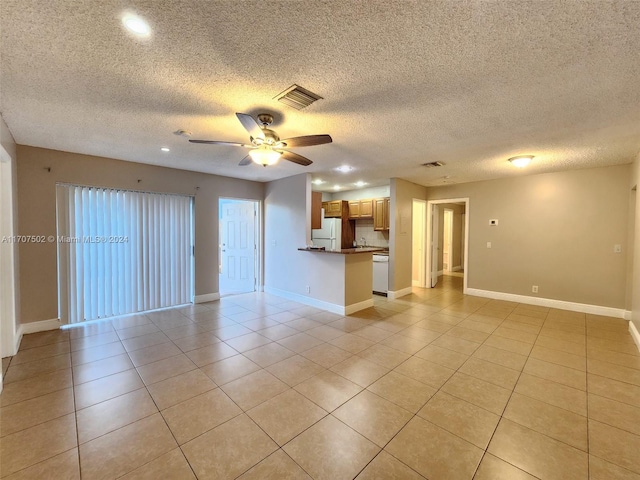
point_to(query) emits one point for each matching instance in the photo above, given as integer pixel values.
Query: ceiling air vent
(297, 97)
(432, 164)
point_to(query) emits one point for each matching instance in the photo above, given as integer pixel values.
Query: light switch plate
(488, 244)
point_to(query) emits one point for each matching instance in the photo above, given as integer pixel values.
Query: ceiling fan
(266, 146)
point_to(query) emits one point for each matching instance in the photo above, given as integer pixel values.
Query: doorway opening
(447, 240)
(238, 251)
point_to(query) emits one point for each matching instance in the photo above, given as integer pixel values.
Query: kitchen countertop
(347, 251)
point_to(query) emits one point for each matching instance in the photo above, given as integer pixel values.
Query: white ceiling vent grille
(297, 97)
(432, 164)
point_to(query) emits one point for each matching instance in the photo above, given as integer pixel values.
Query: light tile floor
(434, 385)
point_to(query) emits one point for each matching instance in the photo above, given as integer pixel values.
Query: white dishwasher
(380, 273)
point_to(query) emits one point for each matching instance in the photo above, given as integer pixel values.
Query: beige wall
(555, 230)
(634, 225)
(456, 237)
(400, 235)
(37, 213)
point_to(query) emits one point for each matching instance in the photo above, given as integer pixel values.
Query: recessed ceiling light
(521, 161)
(344, 169)
(336, 187)
(136, 25)
(317, 181)
(360, 184)
(165, 149)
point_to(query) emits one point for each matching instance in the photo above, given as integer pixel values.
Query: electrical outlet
(534, 289)
(617, 249)
(488, 244)
(308, 289)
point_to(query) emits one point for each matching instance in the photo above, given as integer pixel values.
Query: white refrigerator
(329, 235)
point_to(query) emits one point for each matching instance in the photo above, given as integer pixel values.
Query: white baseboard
(399, 293)
(549, 302)
(41, 326)
(18, 340)
(456, 269)
(634, 334)
(440, 273)
(208, 297)
(415, 283)
(627, 315)
(356, 307)
(314, 302)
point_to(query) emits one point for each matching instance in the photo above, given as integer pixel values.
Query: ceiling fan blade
(295, 158)
(250, 125)
(216, 142)
(306, 141)
(245, 161)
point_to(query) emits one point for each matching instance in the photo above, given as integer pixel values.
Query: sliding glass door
(122, 252)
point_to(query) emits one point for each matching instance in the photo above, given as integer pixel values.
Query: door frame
(464, 200)
(422, 277)
(258, 238)
(9, 334)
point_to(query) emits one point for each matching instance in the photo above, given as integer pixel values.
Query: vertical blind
(122, 252)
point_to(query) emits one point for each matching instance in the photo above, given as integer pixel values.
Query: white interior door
(237, 246)
(435, 247)
(447, 247)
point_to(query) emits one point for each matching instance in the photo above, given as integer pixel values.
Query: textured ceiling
(466, 83)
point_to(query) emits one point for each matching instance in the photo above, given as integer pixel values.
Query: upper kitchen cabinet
(381, 207)
(360, 209)
(316, 209)
(333, 209)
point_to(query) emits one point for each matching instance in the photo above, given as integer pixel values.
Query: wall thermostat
(493, 221)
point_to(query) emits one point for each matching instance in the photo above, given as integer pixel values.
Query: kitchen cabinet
(361, 209)
(316, 209)
(381, 207)
(333, 209)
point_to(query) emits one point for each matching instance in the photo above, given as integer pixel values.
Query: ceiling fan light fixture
(344, 169)
(264, 156)
(521, 161)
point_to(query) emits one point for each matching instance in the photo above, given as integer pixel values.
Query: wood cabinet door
(332, 209)
(366, 208)
(316, 210)
(387, 213)
(378, 214)
(354, 209)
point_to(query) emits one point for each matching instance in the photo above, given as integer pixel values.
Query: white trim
(456, 269)
(17, 340)
(627, 315)
(415, 283)
(549, 302)
(207, 297)
(41, 326)
(8, 285)
(634, 334)
(356, 307)
(440, 273)
(399, 293)
(314, 302)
